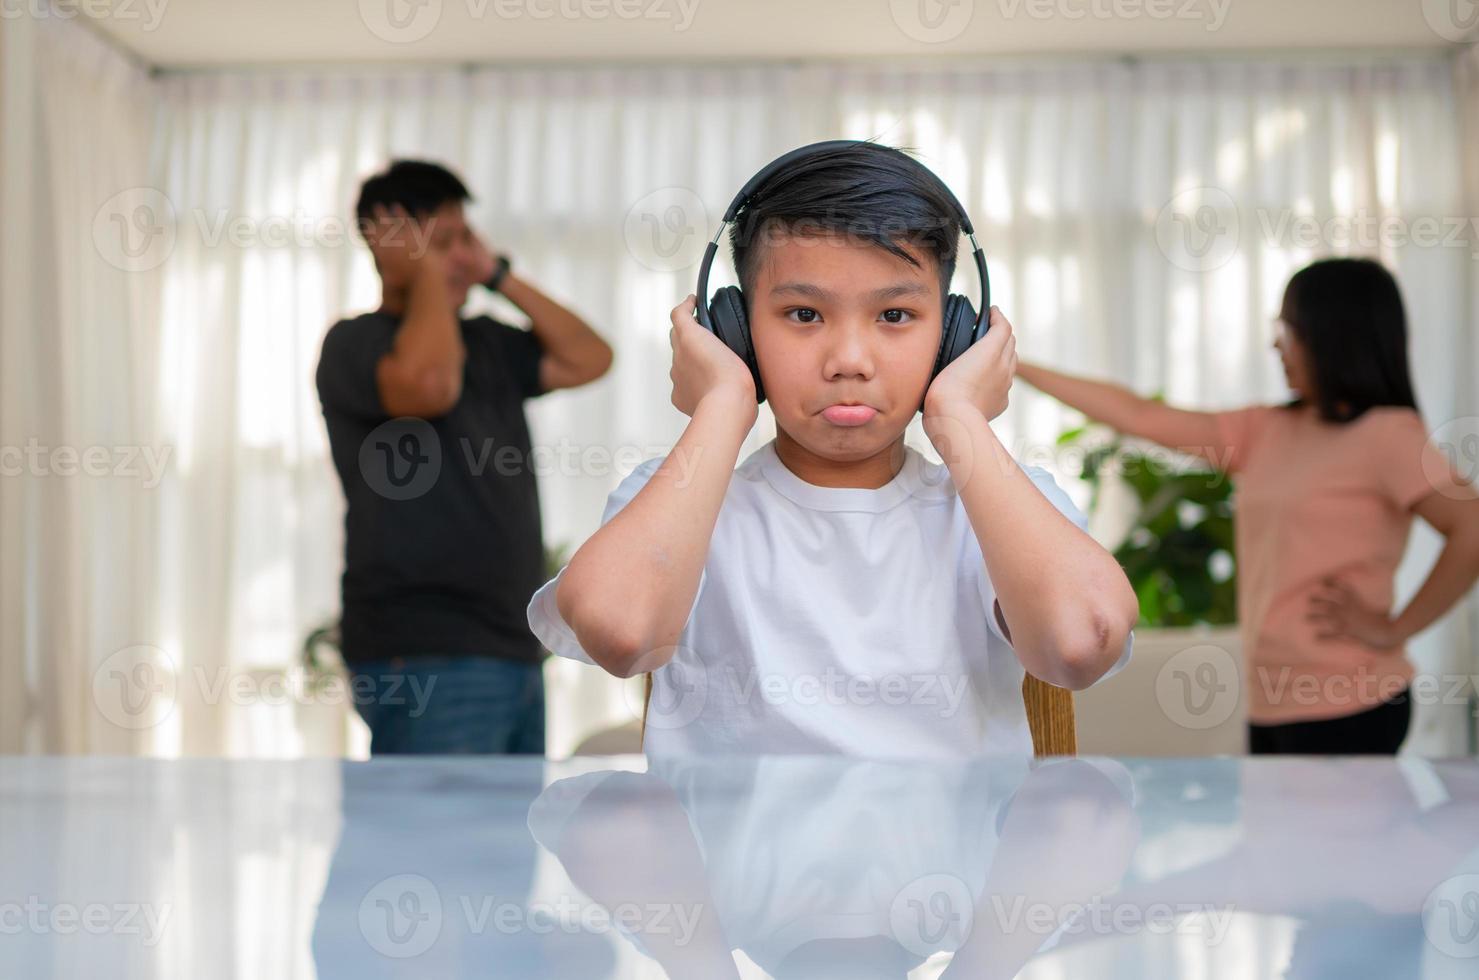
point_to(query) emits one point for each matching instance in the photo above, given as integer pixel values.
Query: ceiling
(215, 33)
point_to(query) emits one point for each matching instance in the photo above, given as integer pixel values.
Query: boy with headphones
(838, 592)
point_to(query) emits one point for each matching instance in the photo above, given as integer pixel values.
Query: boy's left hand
(981, 377)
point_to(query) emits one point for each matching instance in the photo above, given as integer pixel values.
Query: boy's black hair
(416, 185)
(1348, 316)
(866, 190)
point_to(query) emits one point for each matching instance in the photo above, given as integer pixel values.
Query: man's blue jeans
(450, 705)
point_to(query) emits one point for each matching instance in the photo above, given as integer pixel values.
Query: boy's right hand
(703, 366)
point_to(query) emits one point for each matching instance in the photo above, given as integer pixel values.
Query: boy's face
(836, 320)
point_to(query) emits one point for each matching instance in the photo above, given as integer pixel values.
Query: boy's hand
(703, 366)
(981, 377)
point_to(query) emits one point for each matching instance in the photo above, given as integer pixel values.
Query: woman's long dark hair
(1348, 316)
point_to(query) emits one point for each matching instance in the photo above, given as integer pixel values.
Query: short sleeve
(1238, 433)
(522, 352)
(347, 367)
(1059, 498)
(1407, 465)
(545, 621)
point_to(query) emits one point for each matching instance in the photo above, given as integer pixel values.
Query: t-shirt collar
(906, 483)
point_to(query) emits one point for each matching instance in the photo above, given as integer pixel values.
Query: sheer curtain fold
(1083, 181)
(78, 371)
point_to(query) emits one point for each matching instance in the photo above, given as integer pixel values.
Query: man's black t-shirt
(443, 548)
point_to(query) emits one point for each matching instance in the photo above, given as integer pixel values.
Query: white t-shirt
(834, 620)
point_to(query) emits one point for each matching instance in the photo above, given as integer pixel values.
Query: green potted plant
(1179, 552)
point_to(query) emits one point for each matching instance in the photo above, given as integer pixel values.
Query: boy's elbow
(616, 654)
(1087, 648)
(616, 648)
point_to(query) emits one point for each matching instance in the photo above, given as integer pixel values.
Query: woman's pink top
(1316, 499)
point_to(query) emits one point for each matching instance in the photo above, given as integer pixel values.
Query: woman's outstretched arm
(1121, 409)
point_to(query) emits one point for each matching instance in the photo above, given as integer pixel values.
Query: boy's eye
(804, 314)
(896, 316)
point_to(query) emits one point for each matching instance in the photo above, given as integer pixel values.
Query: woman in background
(1326, 489)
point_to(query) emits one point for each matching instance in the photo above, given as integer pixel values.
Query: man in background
(425, 415)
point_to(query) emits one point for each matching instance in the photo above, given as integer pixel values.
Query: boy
(838, 593)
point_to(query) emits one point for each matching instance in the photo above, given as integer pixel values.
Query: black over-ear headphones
(725, 314)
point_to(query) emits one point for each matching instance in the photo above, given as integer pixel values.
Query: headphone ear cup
(955, 338)
(727, 314)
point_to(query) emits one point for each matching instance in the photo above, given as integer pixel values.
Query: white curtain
(78, 352)
(1140, 220)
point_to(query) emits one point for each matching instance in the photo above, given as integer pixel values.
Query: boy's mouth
(849, 414)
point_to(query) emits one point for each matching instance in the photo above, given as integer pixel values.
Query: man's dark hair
(868, 191)
(416, 185)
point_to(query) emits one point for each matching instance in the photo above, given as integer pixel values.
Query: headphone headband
(811, 149)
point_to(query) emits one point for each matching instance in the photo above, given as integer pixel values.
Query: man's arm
(574, 354)
(421, 375)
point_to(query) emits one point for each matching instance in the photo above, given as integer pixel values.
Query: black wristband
(499, 272)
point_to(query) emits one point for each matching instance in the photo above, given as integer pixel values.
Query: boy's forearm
(628, 590)
(1065, 599)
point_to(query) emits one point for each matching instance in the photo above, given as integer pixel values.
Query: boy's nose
(849, 355)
